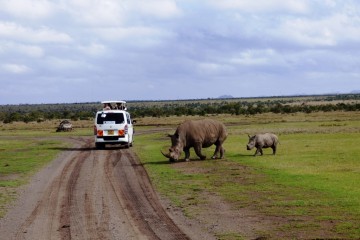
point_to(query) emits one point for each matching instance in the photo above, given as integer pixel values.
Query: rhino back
(206, 131)
(266, 139)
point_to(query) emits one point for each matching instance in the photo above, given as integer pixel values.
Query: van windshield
(110, 118)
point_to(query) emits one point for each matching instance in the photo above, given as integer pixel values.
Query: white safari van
(113, 125)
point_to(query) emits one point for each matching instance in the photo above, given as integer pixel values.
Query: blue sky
(64, 51)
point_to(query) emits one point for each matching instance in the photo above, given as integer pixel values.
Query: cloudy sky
(65, 51)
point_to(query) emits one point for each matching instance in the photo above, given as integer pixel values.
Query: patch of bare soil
(94, 194)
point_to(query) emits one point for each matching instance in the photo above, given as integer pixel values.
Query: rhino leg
(187, 154)
(261, 152)
(197, 149)
(258, 150)
(219, 148)
(222, 151)
(274, 149)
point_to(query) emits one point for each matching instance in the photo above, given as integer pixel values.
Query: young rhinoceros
(261, 141)
(197, 134)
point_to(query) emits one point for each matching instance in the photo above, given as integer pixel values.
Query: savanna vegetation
(139, 109)
(309, 189)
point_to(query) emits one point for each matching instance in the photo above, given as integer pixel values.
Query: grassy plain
(312, 182)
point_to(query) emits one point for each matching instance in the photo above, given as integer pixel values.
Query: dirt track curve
(90, 194)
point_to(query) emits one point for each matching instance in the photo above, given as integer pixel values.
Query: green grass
(229, 236)
(314, 175)
(19, 159)
(46, 128)
(313, 179)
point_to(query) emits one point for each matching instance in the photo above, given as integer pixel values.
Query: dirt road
(92, 194)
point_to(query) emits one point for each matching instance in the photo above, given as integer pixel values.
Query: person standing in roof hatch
(120, 106)
(107, 106)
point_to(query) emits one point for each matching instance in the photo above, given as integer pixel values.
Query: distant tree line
(237, 108)
(86, 111)
(42, 112)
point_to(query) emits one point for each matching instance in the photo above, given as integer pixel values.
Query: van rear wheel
(100, 145)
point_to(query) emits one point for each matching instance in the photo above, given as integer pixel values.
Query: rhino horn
(166, 155)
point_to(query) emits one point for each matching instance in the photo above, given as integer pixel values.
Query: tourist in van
(107, 106)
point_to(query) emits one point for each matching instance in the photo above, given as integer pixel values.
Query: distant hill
(225, 97)
(355, 91)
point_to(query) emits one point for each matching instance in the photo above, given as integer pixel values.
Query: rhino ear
(249, 136)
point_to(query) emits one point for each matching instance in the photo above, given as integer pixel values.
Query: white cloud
(22, 49)
(63, 63)
(136, 36)
(213, 68)
(34, 9)
(95, 12)
(30, 50)
(15, 31)
(328, 31)
(15, 68)
(254, 57)
(93, 49)
(263, 5)
(330, 3)
(156, 8)
(307, 32)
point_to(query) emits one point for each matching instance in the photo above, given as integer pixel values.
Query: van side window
(128, 118)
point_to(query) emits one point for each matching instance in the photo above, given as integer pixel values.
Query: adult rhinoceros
(197, 134)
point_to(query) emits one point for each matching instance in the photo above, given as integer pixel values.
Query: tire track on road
(49, 219)
(141, 200)
(94, 194)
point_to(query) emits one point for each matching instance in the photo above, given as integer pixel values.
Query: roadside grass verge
(27, 147)
(20, 158)
(46, 128)
(312, 183)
